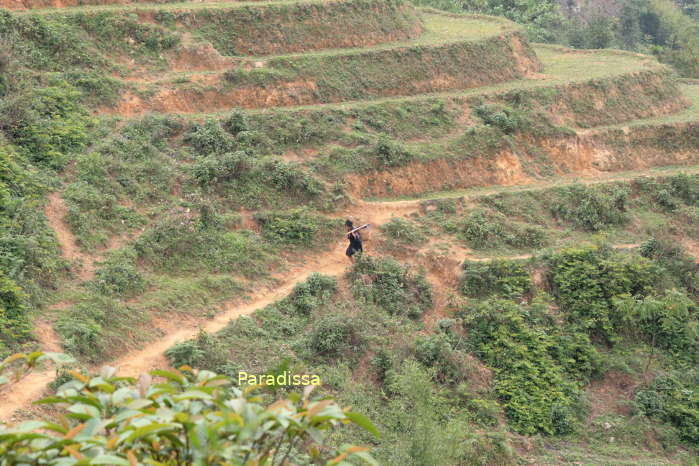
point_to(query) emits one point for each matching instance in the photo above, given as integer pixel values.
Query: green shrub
(219, 168)
(49, 124)
(296, 227)
(237, 122)
(94, 214)
(680, 267)
(483, 229)
(311, 294)
(333, 335)
(15, 326)
(487, 448)
(209, 138)
(206, 351)
(573, 350)
(502, 278)
(29, 253)
(667, 322)
(382, 363)
(587, 280)
(96, 88)
(390, 153)
(436, 351)
(119, 276)
(502, 117)
(674, 399)
(670, 192)
(287, 177)
(590, 208)
(93, 328)
(180, 241)
(531, 384)
(403, 231)
(393, 287)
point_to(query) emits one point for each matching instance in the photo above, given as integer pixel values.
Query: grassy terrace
(440, 28)
(175, 6)
(691, 113)
(559, 69)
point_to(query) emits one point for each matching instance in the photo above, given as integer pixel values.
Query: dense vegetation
(664, 28)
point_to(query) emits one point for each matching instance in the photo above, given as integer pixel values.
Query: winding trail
(20, 394)
(56, 212)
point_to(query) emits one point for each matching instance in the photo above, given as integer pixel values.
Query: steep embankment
(590, 154)
(482, 52)
(243, 28)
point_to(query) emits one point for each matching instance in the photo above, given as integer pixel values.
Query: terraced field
(228, 141)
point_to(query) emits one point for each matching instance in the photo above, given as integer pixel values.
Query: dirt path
(152, 355)
(56, 211)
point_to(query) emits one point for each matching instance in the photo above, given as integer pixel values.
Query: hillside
(175, 178)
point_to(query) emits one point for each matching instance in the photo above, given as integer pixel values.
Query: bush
(219, 168)
(296, 227)
(389, 285)
(681, 268)
(209, 138)
(15, 326)
(118, 276)
(403, 231)
(674, 399)
(502, 117)
(382, 364)
(206, 351)
(237, 122)
(667, 322)
(670, 192)
(502, 278)
(92, 328)
(436, 351)
(290, 178)
(311, 294)
(531, 384)
(333, 335)
(590, 208)
(586, 282)
(181, 241)
(483, 229)
(49, 124)
(391, 153)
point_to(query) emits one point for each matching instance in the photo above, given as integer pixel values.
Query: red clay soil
(588, 155)
(612, 394)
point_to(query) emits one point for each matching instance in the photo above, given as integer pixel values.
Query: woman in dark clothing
(355, 241)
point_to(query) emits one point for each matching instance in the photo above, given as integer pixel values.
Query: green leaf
(168, 375)
(363, 422)
(149, 429)
(109, 459)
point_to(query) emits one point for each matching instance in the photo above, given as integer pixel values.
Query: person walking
(355, 240)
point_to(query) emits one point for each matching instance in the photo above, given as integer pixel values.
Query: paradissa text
(284, 379)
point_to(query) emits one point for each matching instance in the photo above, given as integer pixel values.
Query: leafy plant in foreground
(186, 417)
